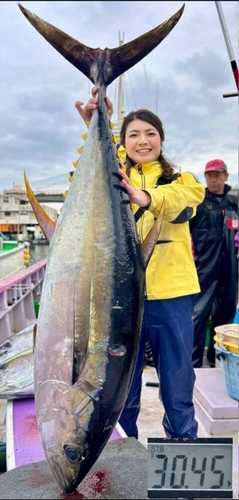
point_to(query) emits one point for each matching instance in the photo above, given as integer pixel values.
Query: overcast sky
(183, 79)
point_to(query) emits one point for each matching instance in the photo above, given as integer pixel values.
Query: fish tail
(102, 66)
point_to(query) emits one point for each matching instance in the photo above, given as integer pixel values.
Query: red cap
(215, 166)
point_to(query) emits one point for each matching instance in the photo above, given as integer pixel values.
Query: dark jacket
(213, 241)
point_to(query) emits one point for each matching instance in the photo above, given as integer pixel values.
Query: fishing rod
(229, 47)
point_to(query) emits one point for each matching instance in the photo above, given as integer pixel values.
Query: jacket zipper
(140, 170)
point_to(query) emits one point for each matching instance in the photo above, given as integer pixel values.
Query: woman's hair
(149, 117)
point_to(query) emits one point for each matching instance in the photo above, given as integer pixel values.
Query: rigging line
(147, 84)
(126, 102)
(157, 96)
(128, 98)
(132, 90)
(116, 92)
(227, 41)
(121, 87)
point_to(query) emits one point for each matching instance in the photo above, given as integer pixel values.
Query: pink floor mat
(27, 441)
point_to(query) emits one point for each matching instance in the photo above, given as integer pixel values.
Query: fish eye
(73, 455)
(2, 368)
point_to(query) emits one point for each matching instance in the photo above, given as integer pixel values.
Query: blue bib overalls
(168, 326)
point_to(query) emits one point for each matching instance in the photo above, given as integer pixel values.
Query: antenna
(228, 45)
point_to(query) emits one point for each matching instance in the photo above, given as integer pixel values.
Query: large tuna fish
(92, 298)
(16, 365)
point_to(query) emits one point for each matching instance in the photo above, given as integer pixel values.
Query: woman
(171, 277)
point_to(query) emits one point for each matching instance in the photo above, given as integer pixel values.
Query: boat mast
(229, 47)
(120, 87)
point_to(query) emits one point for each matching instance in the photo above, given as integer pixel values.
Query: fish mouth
(67, 482)
(67, 466)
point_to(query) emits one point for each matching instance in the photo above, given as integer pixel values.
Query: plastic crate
(227, 346)
(227, 337)
(230, 364)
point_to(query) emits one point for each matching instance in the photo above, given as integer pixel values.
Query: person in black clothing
(215, 258)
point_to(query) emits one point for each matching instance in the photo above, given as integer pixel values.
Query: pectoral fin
(147, 247)
(46, 224)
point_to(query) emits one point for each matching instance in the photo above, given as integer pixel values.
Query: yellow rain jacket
(171, 271)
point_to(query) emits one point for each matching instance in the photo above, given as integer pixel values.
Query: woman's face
(142, 142)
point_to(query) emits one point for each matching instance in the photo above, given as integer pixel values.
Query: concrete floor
(151, 414)
(149, 421)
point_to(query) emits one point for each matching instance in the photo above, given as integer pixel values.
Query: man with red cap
(213, 230)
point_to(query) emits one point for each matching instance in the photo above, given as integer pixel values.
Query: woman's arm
(141, 198)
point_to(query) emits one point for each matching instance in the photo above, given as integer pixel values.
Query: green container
(3, 457)
(36, 307)
(9, 245)
(209, 332)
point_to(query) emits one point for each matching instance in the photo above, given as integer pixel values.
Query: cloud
(183, 80)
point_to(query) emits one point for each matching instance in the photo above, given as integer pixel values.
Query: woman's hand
(87, 111)
(141, 198)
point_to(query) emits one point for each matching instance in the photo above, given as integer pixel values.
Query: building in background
(17, 219)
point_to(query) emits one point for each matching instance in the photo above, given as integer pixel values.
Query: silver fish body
(92, 298)
(91, 313)
(16, 365)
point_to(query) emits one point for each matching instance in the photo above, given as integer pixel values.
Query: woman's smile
(142, 140)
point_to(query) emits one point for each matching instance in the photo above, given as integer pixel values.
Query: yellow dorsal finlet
(121, 153)
(46, 224)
